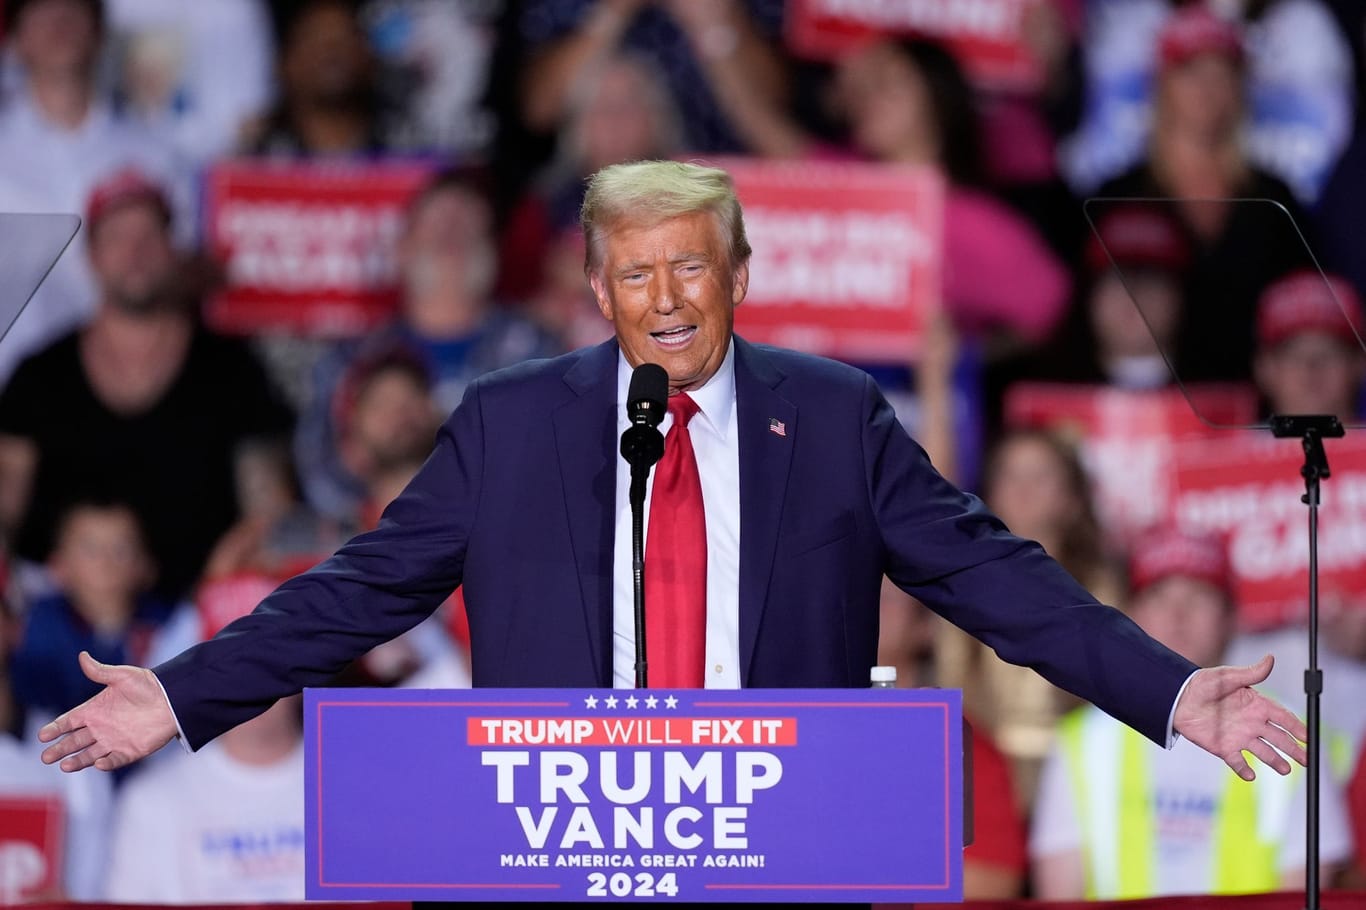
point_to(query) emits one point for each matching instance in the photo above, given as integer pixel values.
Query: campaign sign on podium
(778, 795)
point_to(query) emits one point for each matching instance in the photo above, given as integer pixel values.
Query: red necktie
(676, 561)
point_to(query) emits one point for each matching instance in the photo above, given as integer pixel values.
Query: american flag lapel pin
(777, 427)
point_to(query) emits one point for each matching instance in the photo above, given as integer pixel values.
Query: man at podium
(787, 490)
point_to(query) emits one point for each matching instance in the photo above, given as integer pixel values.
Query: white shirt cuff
(1172, 735)
(180, 734)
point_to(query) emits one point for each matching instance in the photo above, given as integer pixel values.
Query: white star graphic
(610, 701)
(671, 702)
(591, 701)
(651, 701)
(632, 701)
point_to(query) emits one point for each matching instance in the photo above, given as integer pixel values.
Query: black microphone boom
(642, 446)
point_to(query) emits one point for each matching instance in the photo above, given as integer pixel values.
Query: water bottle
(884, 677)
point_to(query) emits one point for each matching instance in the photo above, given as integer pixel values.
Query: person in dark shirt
(143, 405)
(1196, 160)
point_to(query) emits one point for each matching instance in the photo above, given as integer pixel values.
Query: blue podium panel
(649, 795)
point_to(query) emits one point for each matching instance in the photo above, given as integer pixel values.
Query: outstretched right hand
(129, 719)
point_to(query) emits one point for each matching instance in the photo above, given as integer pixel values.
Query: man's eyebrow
(691, 256)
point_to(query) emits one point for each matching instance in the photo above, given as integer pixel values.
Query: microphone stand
(642, 446)
(1312, 431)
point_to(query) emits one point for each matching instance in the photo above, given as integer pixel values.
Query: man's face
(100, 562)
(1204, 94)
(670, 291)
(130, 249)
(56, 36)
(1187, 615)
(327, 60)
(394, 420)
(1119, 320)
(1311, 373)
(448, 242)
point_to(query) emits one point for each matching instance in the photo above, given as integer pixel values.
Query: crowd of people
(159, 475)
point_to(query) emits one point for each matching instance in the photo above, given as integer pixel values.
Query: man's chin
(142, 303)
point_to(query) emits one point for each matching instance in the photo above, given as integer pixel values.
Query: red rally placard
(1247, 487)
(31, 830)
(306, 247)
(846, 256)
(1127, 438)
(987, 36)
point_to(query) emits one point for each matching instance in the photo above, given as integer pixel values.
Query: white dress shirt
(715, 442)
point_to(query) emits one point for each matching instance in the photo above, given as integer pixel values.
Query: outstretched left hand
(1222, 714)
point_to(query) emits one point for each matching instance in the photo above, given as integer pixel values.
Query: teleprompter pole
(1312, 431)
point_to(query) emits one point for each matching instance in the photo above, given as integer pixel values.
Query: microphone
(642, 446)
(646, 402)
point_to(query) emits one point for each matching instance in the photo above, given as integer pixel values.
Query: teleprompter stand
(1312, 430)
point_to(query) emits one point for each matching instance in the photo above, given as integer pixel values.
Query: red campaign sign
(31, 830)
(1247, 487)
(1127, 439)
(230, 597)
(987, 36)
(306, 247)
(846, 256)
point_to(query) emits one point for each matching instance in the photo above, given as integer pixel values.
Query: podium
(754, 795)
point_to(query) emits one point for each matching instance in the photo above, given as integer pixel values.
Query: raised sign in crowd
(308, 225)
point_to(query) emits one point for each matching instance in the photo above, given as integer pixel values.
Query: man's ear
(740, 285)
(599, 286)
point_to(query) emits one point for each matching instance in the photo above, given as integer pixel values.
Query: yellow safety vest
(1109, 769)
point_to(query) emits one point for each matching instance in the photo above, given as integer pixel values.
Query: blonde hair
(659, 190)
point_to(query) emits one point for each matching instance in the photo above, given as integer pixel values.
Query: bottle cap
(884, 674)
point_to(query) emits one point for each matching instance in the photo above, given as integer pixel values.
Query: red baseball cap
(120, 188)
(1307, 301)
(1137, 235)
(1165, 552)
(1194, 30)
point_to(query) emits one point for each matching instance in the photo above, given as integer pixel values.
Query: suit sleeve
(946, 549)
(376, 587)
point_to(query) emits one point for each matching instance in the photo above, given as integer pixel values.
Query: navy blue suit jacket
(517, 503)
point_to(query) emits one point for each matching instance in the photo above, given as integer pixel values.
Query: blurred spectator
(1299, 88)
(1196, 158)
(225, 825)
(102, 574)
(328, 105)
(908, 103)
(434, 59)
(994, 866)
(1117, 818)
(58, 139)
(447, 261)
(1035, 483)
(693, 43)
(81, 802)
(565, 305)
(1309, 360)
(1131, 303)
(197, 72)
(618, 110)
(144, 405)
(386, 424)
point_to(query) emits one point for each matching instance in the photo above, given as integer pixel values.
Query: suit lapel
(765, 460)
(585, 442)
